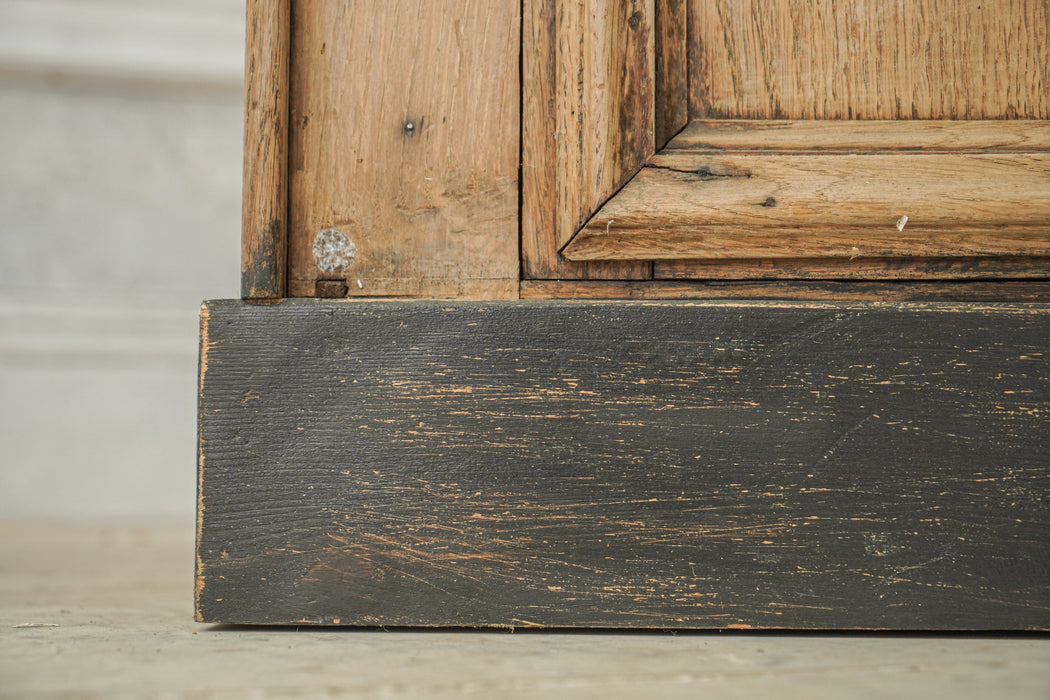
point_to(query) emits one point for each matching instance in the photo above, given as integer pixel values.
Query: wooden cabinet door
(649, 148)
(792, 139)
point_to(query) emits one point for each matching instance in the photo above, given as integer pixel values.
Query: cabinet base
(625, 465)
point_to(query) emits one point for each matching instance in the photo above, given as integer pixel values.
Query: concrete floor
(92, 610)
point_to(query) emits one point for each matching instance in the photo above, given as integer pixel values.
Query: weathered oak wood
(396, 189)
(660, 464)
(885, 269)
(863, 59)
(405, 140)
(792, 290)
(672, 69)
(860, 137)
(856, 200)
(825, 206)
(588, 123)
(264, 215)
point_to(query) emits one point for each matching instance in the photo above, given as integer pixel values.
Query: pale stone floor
(91, 610)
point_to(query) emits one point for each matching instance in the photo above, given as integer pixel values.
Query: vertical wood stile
(588, 116)
(264, 220)
(672, 70)
(405, 140)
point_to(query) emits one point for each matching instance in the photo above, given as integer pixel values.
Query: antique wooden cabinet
(636, 313)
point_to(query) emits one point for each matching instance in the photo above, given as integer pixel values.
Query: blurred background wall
(120, 167)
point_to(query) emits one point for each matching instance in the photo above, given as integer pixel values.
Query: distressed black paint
(626, 464)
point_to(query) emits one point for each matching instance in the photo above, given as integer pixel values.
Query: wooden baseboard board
(625, 464)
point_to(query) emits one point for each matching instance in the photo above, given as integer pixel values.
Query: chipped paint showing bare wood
(198, 573)
(649, 464)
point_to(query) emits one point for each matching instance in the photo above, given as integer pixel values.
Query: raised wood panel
(264, 213)
(642, 465)
(839, 203)
(588, 99)
(870, 59)
(405, 137)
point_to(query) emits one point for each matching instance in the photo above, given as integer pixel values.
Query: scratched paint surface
(626, 465)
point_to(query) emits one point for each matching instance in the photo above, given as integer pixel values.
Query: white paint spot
(333, 250)
(902, 222)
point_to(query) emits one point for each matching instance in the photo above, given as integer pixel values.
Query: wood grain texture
(830, 203)
(588, 122)
(646, 465)
(824, 206)
(862, 136)
(870, 59)
(962, 268)
(672, 69)
(264, 215)
(794, 290)
(405, 138)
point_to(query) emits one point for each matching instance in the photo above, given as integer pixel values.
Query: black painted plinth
(625, 464)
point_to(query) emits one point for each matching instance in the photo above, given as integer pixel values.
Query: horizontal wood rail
(754, 190)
